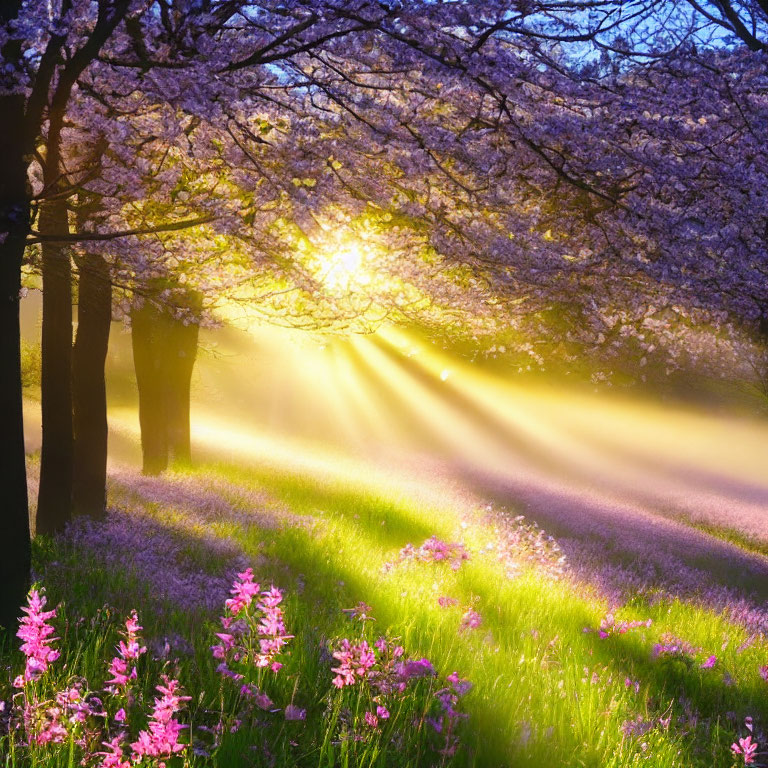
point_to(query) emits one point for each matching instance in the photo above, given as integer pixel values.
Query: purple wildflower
(293, 712)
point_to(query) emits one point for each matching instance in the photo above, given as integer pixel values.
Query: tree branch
(82, 237)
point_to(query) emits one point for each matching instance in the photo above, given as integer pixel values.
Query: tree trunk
(146, 331)
(164, 354)
(54, 504)
(89, 393)
(181, 346)
(14, 222)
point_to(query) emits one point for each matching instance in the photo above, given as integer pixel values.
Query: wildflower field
(384, 384)
(246, 616)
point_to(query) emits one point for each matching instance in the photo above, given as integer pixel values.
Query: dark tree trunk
(14, 222)
(164, 354)
(89, 393)
(146, 332)
(181, 352)
(54, 503)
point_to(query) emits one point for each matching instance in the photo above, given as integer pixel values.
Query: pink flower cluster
(745, 748)
(162, 737)
(74, 714)
(114, 757)
(128, 652)
(435, 550)
(387, 675)
(45, 724)
(471, 619)
(372, 719)
(36, 634)
(609, 626)
(241, 625)
(243, 590)
(72, 705)
(354, 662)
(673, 647)
(361, 612)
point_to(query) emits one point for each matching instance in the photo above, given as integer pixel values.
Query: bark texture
(54, 501)
(164, 354)
(14, 221)
(89, 392)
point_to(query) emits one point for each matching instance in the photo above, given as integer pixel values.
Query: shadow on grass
(394, 523)
(685, 561)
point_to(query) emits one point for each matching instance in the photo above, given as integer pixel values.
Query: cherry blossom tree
(595, 163)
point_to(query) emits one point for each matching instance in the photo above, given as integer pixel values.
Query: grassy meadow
(424, 619)
(548, 688)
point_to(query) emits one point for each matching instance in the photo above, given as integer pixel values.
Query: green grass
(546, 692)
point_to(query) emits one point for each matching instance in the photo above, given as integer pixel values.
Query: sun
(342, 264)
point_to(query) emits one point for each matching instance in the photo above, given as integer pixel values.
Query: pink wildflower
(709, 663)
(764, 672)
(121, 676)
(471, 620)
(36, 634)
(162, 737)
(53, 730)
(447, 602)
(354, 662)
(382, 713)
(361, 612)
(267, 624)
(129, 650)
(371, 720)
(293, 712)
(747, 748)
(609, 626)
(243, 591)
(435, 550)
(72, 703)
(113, 758)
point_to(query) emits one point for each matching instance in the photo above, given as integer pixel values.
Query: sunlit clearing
(391, 397)
(393, 400)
